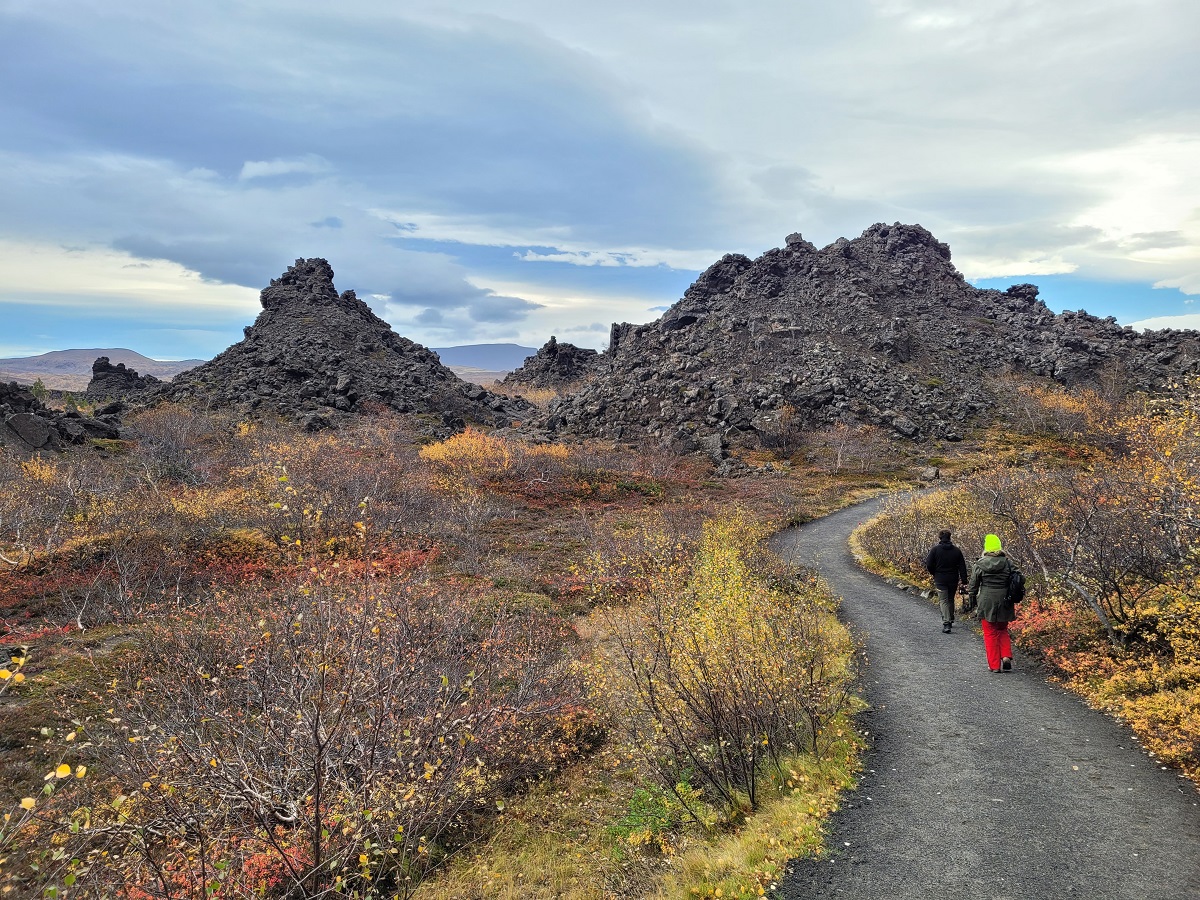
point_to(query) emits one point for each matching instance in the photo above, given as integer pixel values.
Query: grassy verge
(582, 837)
(612, 826)
(750, 860)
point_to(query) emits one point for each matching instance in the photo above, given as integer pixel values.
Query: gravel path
(981, 785)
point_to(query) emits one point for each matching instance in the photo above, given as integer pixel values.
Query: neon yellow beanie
(991, 544)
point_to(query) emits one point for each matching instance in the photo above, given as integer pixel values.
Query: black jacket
(946, 564)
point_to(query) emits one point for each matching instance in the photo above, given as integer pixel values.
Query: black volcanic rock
(117, 381)
(314, 355)
(881, 329)
(555, 365)
(26, 424)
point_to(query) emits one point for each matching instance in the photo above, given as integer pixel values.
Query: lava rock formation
(314, 355)
(881, 329)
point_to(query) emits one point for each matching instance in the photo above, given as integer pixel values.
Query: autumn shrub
(727, 670)
(540, 397)
(343, 736)
(45, 502)
(472, 462)
(333, 472)
(94, 540)
(843, 447)
(1053, 410)
(172, 440)
(469, 459)
(908, 524)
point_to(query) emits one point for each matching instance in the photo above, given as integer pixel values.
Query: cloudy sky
(504, 171)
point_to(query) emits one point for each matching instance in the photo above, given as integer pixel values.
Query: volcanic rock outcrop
(314, 355)
(117, 381)
(881, 329)
(555, 366)
(30, 425)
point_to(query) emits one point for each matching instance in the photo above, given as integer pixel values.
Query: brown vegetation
(259, 662)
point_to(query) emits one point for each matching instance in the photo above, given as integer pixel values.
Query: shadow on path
(981, 785)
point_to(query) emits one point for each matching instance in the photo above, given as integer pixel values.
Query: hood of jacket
(991, 563)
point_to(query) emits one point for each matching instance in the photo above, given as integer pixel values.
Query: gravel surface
(981, 785)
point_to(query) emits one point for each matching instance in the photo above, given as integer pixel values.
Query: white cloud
(1188, 284)
(974, 267)
(1187, 321)
(572, 315)
(634, 258)
(485, 232)
(1147, 184)
(93, 277)
(305, 165)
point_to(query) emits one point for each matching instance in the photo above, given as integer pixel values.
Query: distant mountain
(71, 370)
(499, 358)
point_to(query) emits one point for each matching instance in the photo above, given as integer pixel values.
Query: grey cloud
(616, 128)
(1022, 241)
(501, 121)
(443, 295)
(494, 308)
(785, 180)
(1002, 206)
(228, 261)
(1154, 240)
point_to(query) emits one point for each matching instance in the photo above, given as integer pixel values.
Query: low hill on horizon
(71, 370)
(489, 357)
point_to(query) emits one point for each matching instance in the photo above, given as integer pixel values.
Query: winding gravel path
(982, 785)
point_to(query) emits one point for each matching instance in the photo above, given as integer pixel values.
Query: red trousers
(996, 642)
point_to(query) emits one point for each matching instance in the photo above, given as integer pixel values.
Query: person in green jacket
(987, 590)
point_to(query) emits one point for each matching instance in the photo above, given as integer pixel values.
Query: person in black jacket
(946, 564)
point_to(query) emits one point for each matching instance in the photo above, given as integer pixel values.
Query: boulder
(36, 432)
(115, 381)
(27, 425)
(555, 366)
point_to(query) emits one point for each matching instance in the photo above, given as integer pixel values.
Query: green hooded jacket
(988, 587)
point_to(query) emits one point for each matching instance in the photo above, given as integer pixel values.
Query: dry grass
(561, 841)
(553, 844)
(539, 397)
